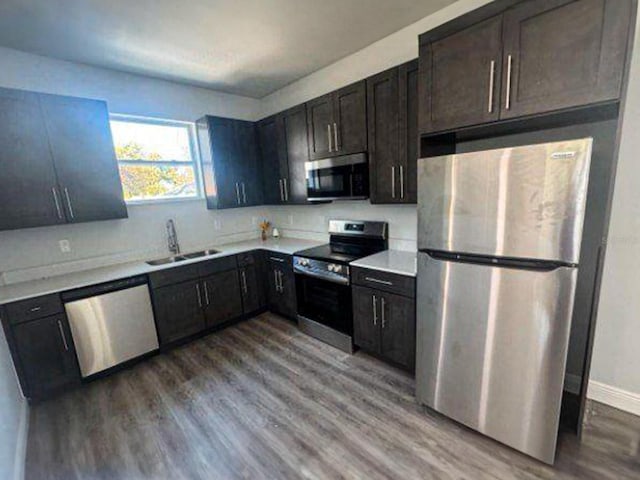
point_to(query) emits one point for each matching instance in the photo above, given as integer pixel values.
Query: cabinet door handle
(382, 306)
(276, 259)
(492, 74)
(329, 136)
(206, 293)
(199, 296)
(401, 182)
(393, 181)
(35, 309)
(286, 189)
(244, 194)
(275, 279)
(244, 281)
(335, 136)
(63, 336)
(68, 197)
(57, 202)
(509, 65)
(375, 280)
(281, 284)
(238, 193)
(281, 190)
(375, 310)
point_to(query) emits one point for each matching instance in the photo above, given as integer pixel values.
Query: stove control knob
(337, 268)
(330, 267)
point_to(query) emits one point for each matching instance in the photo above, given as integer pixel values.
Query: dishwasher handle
(103, 288)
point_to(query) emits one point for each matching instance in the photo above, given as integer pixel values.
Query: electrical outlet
(290, 219)
(65, 246)
(217, 224)
(254, 221)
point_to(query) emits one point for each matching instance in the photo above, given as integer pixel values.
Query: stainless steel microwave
(338, 178)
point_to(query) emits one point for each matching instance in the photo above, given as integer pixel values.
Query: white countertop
(35, 288)
(393, 261)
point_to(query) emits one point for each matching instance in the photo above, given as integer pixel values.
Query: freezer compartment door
(523, 202)
(492, 348)
(112, 328)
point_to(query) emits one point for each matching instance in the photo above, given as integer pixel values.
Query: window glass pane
(149, 141)
(155, 181)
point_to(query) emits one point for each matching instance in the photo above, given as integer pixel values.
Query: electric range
(323, 282)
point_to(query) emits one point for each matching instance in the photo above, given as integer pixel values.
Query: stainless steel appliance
(323, 283)
(111, 323)
(345, 177)
(499, 236)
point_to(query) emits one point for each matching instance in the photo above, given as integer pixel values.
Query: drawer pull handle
(276, 259)
(375, 280)
(35, 309)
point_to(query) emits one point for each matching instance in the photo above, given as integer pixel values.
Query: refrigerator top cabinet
(524, 202)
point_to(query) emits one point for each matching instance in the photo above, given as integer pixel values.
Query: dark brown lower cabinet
(250, 286)
(384, 324)
(46, 355)
(282, 285)
(179, 311)
(222, 297)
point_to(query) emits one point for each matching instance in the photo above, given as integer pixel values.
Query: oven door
(325, 302)
(345, 177)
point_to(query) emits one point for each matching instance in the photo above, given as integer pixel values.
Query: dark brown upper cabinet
(84, 158)
(29, 192)
(296, 147)
(57, 161)
(230, 162)
(284, 148)
(560, 54)
(274, 164)
(337, 122)
(393, 135)
(460, 78)
(534, 58)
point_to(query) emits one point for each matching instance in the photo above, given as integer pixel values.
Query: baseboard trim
(614, 397)
(19, 462)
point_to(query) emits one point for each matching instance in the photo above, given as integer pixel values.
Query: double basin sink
(182, 257)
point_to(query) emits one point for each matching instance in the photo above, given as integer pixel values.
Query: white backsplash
(34, 253)
(311, 221)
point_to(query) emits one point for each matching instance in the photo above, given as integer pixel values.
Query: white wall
(616, 356)
(13, 418)
(125, 93)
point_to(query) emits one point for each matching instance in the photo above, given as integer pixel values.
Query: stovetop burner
(349, 241)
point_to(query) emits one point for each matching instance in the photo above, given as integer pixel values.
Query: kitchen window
(157, 159)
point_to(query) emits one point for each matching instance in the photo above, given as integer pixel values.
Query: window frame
(193, 148)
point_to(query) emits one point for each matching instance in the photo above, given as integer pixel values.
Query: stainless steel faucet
(172, 238)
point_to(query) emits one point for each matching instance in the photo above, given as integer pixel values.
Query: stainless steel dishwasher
(111, 323)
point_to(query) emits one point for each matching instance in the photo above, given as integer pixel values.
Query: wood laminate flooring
(262, 400)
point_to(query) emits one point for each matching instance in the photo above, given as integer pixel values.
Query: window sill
(162, 201)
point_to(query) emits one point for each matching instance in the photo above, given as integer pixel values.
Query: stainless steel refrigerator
(499, 237)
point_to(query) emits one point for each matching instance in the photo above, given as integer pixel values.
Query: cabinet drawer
(174, 275)
(217, 265)
(384, 281)
(247, 258)
(33, 308)
(283, 259)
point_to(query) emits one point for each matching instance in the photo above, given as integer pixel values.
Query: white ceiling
(247, 47)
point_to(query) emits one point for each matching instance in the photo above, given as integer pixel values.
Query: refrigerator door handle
(492, 261)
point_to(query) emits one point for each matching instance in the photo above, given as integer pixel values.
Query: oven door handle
(339, 280)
